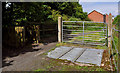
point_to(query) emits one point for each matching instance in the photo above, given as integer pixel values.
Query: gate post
(109, 31)
(110, 35)
(59, 29)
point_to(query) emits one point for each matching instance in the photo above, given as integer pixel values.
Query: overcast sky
(102, 7)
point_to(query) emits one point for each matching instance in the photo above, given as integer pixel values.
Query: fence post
(59, 29)
(109, 30)
(110, 35)
(119, 39)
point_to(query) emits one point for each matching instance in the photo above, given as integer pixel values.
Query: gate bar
(82, 26)
(84, 21)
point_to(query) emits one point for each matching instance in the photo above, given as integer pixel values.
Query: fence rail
(116, 29)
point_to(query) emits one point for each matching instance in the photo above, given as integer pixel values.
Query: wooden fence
(21, 35)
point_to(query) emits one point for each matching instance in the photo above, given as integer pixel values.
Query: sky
(99, 0)
(102, 7)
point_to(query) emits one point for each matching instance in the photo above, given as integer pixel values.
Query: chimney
(110, 14)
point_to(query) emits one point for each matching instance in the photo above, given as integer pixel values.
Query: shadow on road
(13, 52)
(5, 63)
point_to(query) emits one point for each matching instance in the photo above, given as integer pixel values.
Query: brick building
(98, 17)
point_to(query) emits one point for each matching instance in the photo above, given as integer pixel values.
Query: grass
(92, 37)
(84, 46)
(48, 51)
(62, 65)
(39, 70)
(60, 44)
(98, 37)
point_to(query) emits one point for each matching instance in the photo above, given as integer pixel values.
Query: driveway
(29, 61)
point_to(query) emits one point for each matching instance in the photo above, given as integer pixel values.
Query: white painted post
(59, 29)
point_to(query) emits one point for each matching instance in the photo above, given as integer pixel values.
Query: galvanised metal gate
(84, 32)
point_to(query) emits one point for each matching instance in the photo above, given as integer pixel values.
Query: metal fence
(113, 52)
(84, 32)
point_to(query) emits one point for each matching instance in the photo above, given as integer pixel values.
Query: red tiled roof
(95, 11)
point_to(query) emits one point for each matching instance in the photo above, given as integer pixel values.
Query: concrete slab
(58, 52)
(93, 56)
(73, 54)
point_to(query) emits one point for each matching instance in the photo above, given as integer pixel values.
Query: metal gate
(84, 32)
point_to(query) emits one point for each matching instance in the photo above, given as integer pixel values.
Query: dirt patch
(106, 61)
(27, 59)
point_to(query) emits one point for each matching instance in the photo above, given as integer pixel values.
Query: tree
(69, 9)
(18, 13)
(26, 13)
(116, 20)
